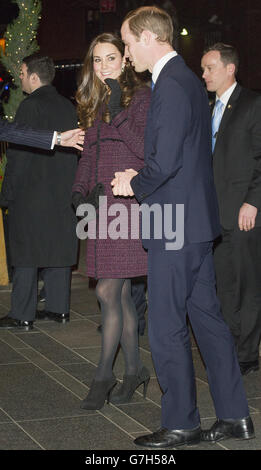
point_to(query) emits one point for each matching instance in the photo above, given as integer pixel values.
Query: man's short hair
(153, 19)
(228, 53)
(43, 66)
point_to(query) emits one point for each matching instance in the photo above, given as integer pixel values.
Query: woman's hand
(114, 104)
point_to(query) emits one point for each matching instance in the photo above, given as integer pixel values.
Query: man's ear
(231, 68)
(147, 36)
(34, 78)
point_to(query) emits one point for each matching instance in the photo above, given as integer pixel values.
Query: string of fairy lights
(30, 13)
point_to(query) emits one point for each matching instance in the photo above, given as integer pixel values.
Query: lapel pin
(229, 106)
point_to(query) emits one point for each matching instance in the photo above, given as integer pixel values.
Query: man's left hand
(121, 183)
(247, 217)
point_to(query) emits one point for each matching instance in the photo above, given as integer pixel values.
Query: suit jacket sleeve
(253, 196)
(23, 135)
(164, 158)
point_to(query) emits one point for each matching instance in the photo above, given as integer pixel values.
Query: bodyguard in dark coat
(37, 187)
(237, 176)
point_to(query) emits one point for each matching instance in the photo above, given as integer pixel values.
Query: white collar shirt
(160, 64)
(225, 97)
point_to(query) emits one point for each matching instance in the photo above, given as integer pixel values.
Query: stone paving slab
(45, 373)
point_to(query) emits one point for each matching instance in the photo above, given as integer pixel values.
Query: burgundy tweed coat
(109, 148)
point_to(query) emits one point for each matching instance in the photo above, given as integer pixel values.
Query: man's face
(25, 79)
(218, 76)
(135, 49)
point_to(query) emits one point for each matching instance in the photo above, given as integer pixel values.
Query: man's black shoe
(229, 428)
(25, 325)
(247, 367)
(59, 317)
(8, 323)
(166, 438)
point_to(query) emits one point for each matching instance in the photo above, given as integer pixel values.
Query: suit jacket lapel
(228, 113)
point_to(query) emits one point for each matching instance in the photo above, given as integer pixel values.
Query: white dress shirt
(54, 139)
(226, 96)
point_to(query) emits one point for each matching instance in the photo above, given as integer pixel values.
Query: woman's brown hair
(92, 93)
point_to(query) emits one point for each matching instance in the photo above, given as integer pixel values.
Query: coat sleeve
(129, 124)
(81, 181)
(166, 149)
(23, 135)
(253, 196)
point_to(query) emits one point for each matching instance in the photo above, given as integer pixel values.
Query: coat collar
(43, 90)
(176, 61)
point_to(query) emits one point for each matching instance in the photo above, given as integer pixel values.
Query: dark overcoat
(37, 186)
(109, 148)
(237, 161)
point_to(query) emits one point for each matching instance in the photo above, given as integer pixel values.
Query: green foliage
(20, 42)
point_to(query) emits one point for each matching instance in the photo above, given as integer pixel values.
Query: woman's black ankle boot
(99, 391)
(129, 385)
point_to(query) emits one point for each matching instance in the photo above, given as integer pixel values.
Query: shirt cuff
(54, 139)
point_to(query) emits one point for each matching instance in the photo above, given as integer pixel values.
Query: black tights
(119, 326)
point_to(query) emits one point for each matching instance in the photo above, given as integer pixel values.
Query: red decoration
(107, 6)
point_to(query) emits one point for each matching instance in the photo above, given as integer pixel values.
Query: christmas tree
(21, 41)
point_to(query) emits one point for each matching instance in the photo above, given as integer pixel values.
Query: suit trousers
(182, 283)
(237, 258)
(24, 293)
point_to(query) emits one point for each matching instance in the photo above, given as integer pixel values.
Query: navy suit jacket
(178, 161)
(12, 132)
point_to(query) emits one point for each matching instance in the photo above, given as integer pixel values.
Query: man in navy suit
(181, 279)
(12, 132)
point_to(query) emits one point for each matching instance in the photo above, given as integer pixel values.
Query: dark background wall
(68, 26)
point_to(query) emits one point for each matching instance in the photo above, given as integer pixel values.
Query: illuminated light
(184, 32)
(2, 45)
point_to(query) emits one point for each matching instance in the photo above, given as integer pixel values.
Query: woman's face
(107, 61)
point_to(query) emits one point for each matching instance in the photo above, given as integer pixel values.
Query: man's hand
(121, 183)
(73, 138)
(247, 217)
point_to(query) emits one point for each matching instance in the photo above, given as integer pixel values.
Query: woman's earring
(122, 67)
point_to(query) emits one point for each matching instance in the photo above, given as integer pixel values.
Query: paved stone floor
(46, 373)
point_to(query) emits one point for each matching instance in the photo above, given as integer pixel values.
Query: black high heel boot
(99, 391)
(129, 385)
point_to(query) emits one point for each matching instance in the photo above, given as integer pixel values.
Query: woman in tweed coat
(113, 105)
